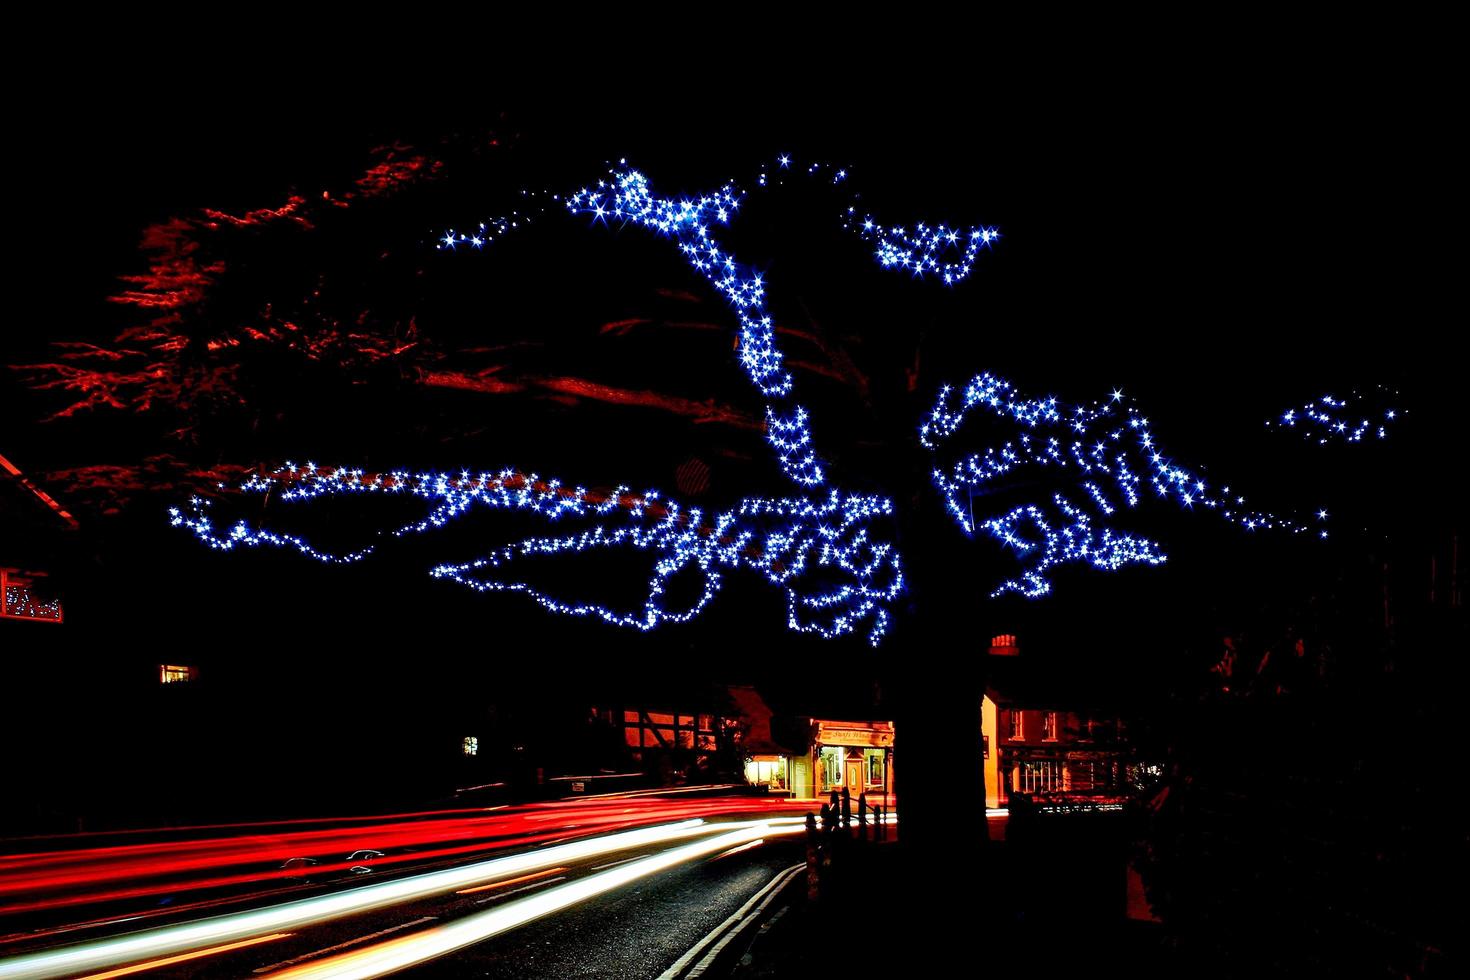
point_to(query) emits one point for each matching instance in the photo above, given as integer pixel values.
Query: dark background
(1222, 229)
(1220, 237)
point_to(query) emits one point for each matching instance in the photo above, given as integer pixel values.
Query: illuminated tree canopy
(831, 551)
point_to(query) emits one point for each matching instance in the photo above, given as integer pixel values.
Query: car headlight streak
(439, 940)
(167, 940)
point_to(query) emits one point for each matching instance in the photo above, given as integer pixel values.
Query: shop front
(855, 755)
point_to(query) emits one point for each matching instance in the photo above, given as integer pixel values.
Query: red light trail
(78, 876)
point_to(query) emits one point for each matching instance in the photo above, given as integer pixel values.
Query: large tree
(317, 316)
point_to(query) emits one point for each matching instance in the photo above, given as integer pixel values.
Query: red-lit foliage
(399, 166)
(259, 319)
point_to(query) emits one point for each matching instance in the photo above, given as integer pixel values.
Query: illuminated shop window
(1090, 776)
(1048, 726)
(1016, 731)
(831, 766)
(471, 745)
(766, 770)
(1040, 776)
(173, 674)
(874, 758)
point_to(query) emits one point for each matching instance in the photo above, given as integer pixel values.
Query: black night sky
(1221, 242)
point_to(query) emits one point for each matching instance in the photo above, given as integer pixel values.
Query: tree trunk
(937, 677)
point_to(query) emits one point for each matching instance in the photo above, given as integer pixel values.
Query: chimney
(1004, 645)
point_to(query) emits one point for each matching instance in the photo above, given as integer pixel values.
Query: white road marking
(613, 864)
(767, 893)
(719, 947)
(534, 884)
(350, 942)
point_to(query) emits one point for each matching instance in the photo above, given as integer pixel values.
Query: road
(567, 898)
(636, 931)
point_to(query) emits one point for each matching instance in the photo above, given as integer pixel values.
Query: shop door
(854, 780)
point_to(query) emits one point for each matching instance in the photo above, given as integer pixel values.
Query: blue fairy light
(830, 554)
(1350, 420)
(830, 551)
(1103, 450)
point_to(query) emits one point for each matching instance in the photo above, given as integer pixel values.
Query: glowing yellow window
(172, 674)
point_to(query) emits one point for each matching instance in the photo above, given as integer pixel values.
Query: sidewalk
(1038, 914)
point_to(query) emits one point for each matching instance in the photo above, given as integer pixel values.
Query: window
(875, 767)
(672, 730)
(1016, 732)
(18, 601)
(173, 674)
(1090, 776)
(1048, 726)
(831, 766)
(766, 770)
(1040, 776)
(471, 745)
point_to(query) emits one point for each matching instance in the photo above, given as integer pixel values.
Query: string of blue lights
(831, 552)
(624, 197)
(1105, 451)
(1328, 419)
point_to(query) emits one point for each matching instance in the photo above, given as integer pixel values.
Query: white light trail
(401, 953)
(109, 953)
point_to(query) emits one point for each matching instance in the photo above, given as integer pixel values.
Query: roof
(21, 498)
(754, 710)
